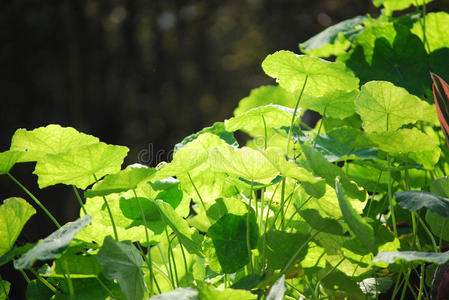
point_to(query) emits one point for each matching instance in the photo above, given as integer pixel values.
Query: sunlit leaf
(208, 292)
(14, 213)
(386, 107)
(8, 159)
(277, 290)
(324, 77)
(395, 5)
(50, 139)
(179, 294)
(403, 141)
(336, 104)
(80, 165)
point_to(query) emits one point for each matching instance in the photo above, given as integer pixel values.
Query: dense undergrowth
(354, 208)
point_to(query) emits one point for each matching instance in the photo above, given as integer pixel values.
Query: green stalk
(421, 282)
(167, 267)
(79, 199)
(404, 288)
(183, 256)
(264, 243)
(69, 279)
(27, 279)
(148, 242)
(248, 231)
(110, 214)
(390, 196)
(319, 128)
(35, 200)
(174, 262)
(282, 203)
(169, 260)
(426, 229)
(104, 286)
(293, 258)
(197, 192)
(294, 113)
(45, 282)
(265, 131)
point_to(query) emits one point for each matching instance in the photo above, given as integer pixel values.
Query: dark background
(140, 73)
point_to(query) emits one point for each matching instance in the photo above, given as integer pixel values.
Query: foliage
(296, 212)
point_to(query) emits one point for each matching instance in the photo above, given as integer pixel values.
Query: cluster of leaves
(297, 212)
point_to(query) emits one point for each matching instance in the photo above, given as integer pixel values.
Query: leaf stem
(197, 192)
(248, 231)
(79, 199)
(35, 200)
(294, 113)
(110, 214)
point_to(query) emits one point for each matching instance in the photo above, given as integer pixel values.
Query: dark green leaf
(414, 200)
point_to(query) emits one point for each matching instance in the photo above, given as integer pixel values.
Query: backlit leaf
(395, 5)
(14, 213)
(49, 139)
(80, 165)
(290, 70)
(336, 104)
(437, 27)
(403, 141)
(386, 107)
(8, 159)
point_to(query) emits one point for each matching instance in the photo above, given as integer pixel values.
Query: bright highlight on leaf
(290, 70)
(50, 139)
(14, 213)
(412, 256)
(386, 107)
(80, 166)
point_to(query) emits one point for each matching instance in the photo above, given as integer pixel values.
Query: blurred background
(139, 73)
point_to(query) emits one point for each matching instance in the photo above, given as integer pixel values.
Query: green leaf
(50, 139)
(372, 287)
(277, 290)
(122, 181)
(179, 294)
(290, 70)
(437, 27)
(265, 95)
(191, 156)
(358, 226)
(217, 129)
(438, 225)
(52, 245)
(189, 237)
(335, 39)
(229, 238)
(121, 261)
(273, 115)
(336, 104)
(386, 107)
(14, 213)
(403, 141)
(387, 51)
(319, 166)
(412, 256)
(395, 5)
(345, 143)
(414, 200)
(4, 289)
(242, 162)
(281, 246)
(208, 292)
(80, 165)
(8, 159)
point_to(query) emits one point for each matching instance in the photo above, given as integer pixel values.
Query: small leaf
(412, 256)
(80, 165)
(358, 226)
(8, 159)
(414, 200)
(52, 245)
(50, 139)
(121, 261)
(386, 107)
(229, 238)
(14, 213)
(334, 39)
(122, 181)
(324, 77)
(178, 294)
(277, 290)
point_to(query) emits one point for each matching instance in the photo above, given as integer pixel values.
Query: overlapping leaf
(386, 107)
(336, 104)
(8, 159)
(412, 256)
(50, 139)
(437, 26)
(395, 5)
(414, 200)
(335, 39)
(14, 213)
(291, 70)
(80, 166)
